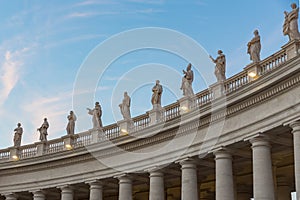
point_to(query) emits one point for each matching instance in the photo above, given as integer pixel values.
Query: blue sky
(43, 45)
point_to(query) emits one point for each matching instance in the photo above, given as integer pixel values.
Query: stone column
(224, 177)
(263, 184)
(283, 189)
(67, 193)
(189, 185)
(38, 195)
(125, 187)
(11, 197)
(296, 138)
(157, 189)
(96, 190)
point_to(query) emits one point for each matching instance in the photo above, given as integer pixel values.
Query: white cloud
(95, 2)
(54, 108)
(90, 14)
(11, 71)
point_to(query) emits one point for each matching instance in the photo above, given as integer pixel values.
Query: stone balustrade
(168, 112)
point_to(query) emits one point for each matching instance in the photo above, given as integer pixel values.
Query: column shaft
(263, 184)
(125, 188)
(10, 197)
(38, 195)
(189, 185)
(224, 177)
(96, 190)
(67, 193)
(296, 138)
(157, 191)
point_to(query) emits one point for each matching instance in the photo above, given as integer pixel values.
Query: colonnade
(263, 178)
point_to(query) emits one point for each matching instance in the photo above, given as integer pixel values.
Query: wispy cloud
(74, 39)
(10, 71)
(147, 1)
(54, 108)
(95, 2)
(90, 14)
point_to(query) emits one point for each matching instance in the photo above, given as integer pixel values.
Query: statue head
(19, 124)
(189, 66)
(157, 82)
(71, 112)
(294, 6)
(125, 94)
(220, 51)
(255, 32)
(45, 119)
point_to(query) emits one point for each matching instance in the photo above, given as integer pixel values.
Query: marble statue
(71, 124)
(290, 26)
(156, 94)
(43, 130)
(254, 47)
(125, 107)
(220, 67)
(18, 135)
(96, 113)
(187, 80)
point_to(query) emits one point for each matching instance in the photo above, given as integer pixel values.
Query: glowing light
(15, 157)
(124, 131)
(68, 147)
(252, 74)
(184, 108)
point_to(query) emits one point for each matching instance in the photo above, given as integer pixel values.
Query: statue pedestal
(96, 134)
(125, 126)
(14, 153)
(40, 148)
(68, 141)
(253, 70)
(217, 90)
(155, 114)
(292, 48)
(185, 104)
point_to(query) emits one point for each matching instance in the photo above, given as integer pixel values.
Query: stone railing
(4, 154)
(112, 131)
(55, 145)
(141, 122)
(272, 62)
(236, 81)
(82, 139)
(27, 151)
(171, 111)
(167, 113)
(202, 98)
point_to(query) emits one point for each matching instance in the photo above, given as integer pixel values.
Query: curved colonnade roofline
(165, 114)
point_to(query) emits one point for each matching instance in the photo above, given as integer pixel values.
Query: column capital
(97, 184)
(295, 125)
(153, 169)
(124, 178)
(186, 161)
(260, 140)
(66, 189)
(222, 153)
(10, 196)
(38, 193)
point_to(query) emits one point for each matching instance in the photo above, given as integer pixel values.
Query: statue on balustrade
(220, 67)
(125, 107)
(187, 80)
(156, 95)
(18, 135)
(71, 124)
(290, 26)
(254, 47)
(43, 130)
(96, 113)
